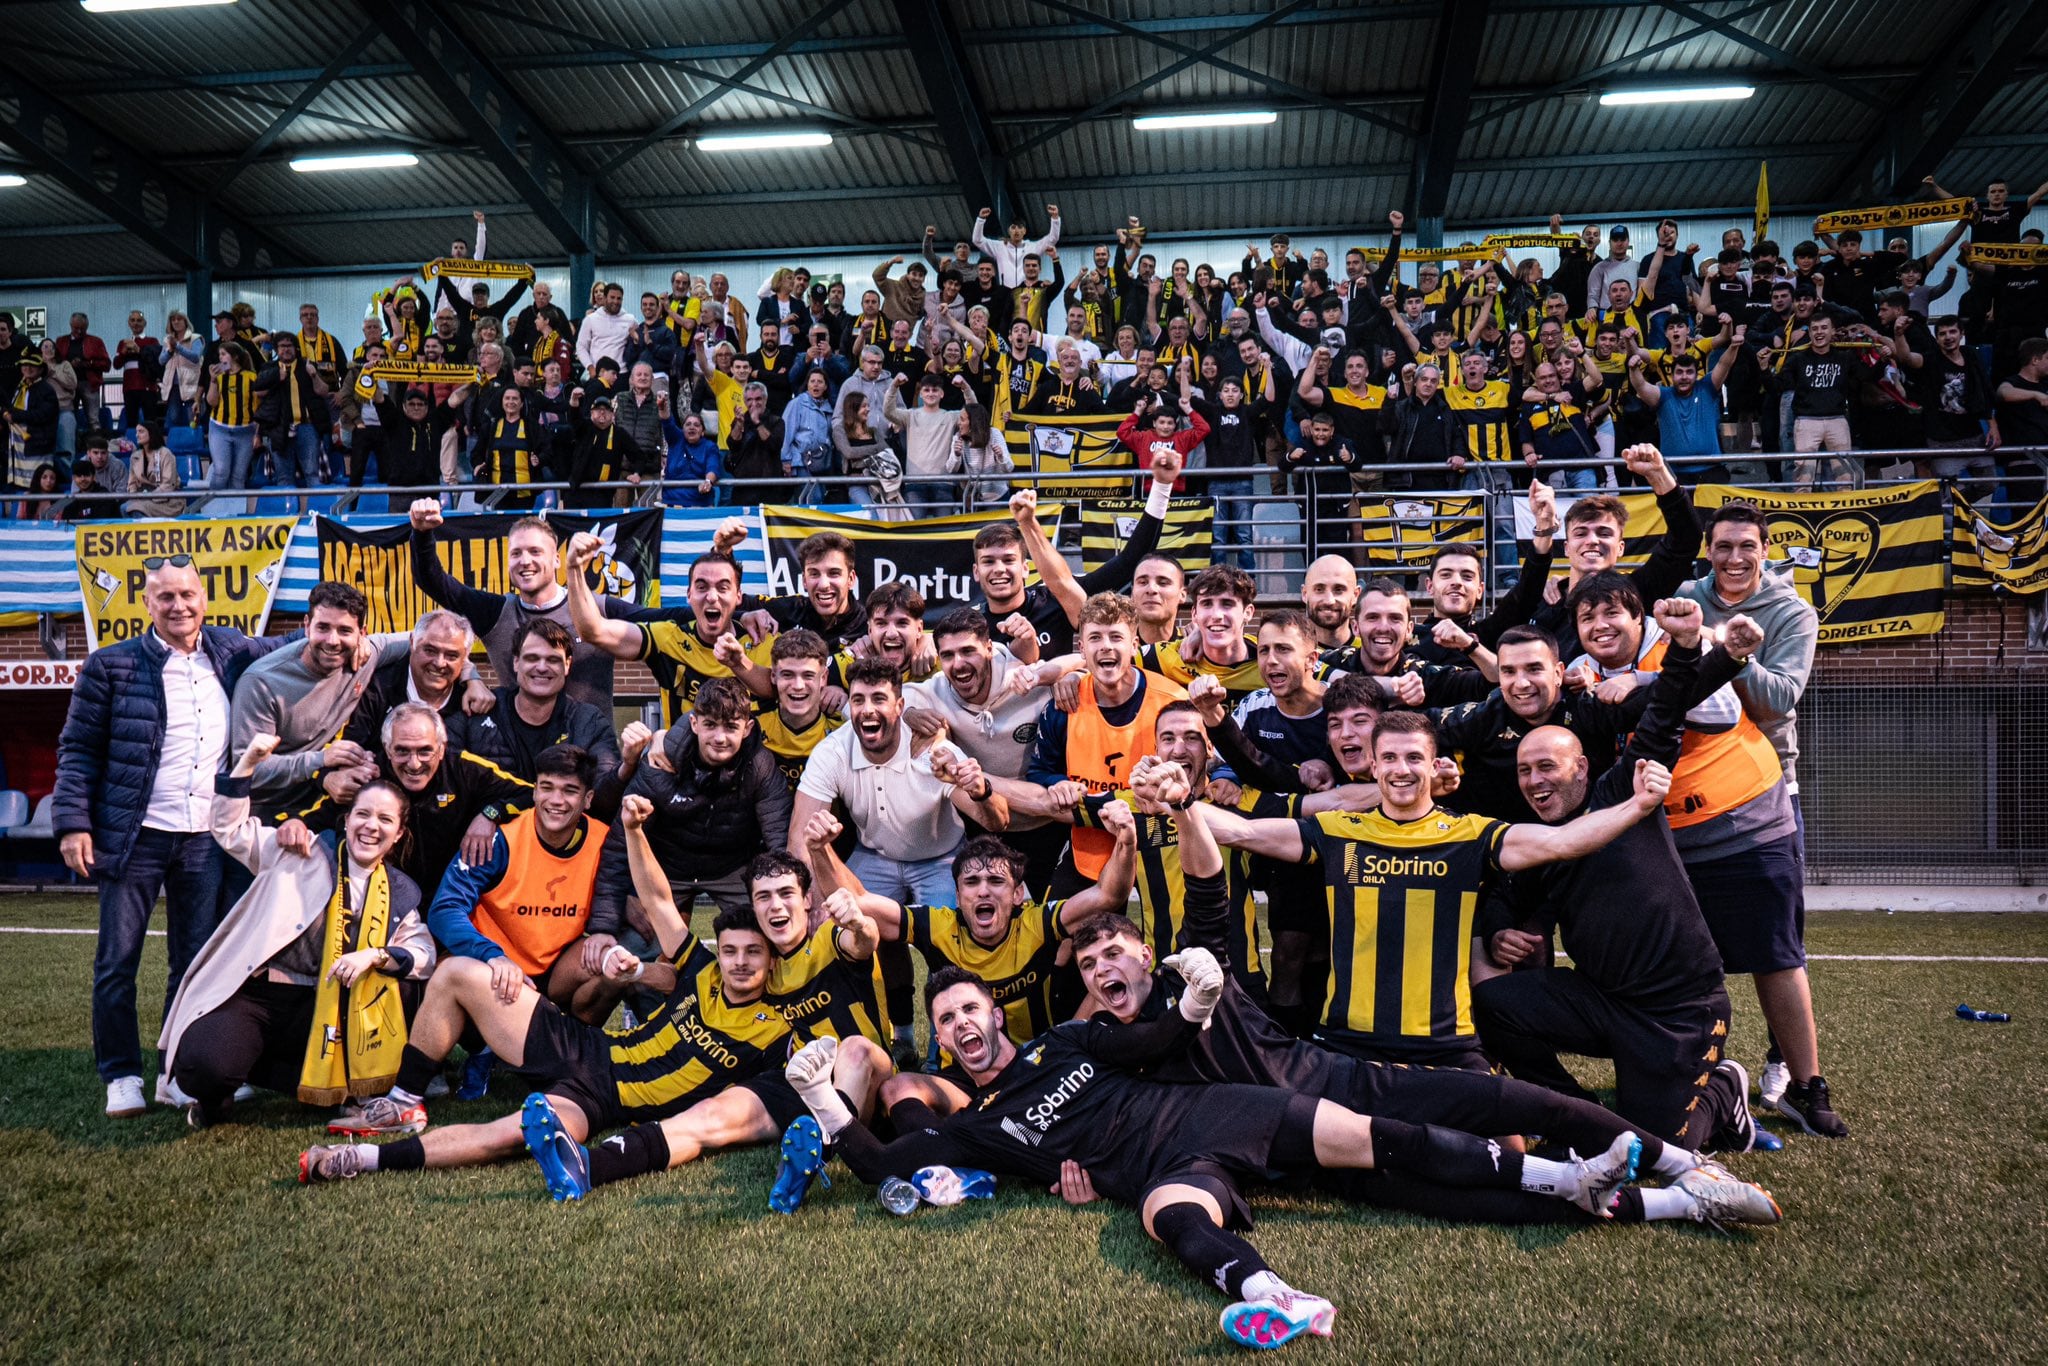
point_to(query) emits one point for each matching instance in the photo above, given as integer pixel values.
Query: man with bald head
(147, 731)
(1645, 988)
(1329, 594)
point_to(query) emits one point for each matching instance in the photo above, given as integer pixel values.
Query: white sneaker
(124, 1098)
(1771, 1085)
(169, 1092)
(1600, 1176)
(1719, 1199)
(243, 1093)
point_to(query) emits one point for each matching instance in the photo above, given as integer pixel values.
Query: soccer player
(827, 605)
(534, 713)
(1329, 593)
(994, 930)
(1382, 652)
(820, 981)
(1216, 643)
(1285, 717)
(714, 1028)
(799, 721)
(1244, 1044)
(1403, 885)
(1158, 588)
(683, 656)
(1456, 584)
(1179, 1154)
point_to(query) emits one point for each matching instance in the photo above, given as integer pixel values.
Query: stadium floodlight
(1678, 94)
(10, 181)
(1226, 118)
(761, 142)
(131, 6)
(353, 161)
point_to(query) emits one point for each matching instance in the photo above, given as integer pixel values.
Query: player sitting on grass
(1179, 1154)
(713, 1029)
(821, 980)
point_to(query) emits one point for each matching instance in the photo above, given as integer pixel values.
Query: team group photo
(907, 680)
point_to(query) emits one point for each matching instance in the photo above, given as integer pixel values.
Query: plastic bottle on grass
(898, 1196)
(1964, 1012)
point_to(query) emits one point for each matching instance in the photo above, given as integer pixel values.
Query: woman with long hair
(332, 933)
(983, 456)
(183, 361)
(854, 435)
(46, 489)
(230, 418)
(152, 469)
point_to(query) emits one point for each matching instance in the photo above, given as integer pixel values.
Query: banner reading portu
(934, 554)
(239, 560)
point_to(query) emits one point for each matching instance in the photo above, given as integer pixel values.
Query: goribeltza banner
(1405, 531)
(1106, 523)
(240, 560)
(1896, 215)
(1058, 445)
(472, 551)
(2008, 555)
(935, 554)
(1871, 561)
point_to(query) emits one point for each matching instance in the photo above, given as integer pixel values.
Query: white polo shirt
(899, 809)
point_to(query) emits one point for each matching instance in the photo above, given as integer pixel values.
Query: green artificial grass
(1918, 1238)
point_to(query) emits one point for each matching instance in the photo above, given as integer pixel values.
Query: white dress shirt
(899, 809)
(603, 334)
(195, 743)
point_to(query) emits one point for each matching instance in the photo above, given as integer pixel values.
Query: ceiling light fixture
(10, 181)
(133, 6)
(1681, 94)
(1236, 118)
(760, 142)
(353, 161)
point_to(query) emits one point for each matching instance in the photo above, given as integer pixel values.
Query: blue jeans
(1482, 477)
(233, 450)
(919, 882)
(187, 868)
(1581, 478)
(67, 433)
(937, 500)
(302, 446)
(1233, 518)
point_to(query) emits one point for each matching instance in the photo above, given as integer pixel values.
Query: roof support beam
(127, 185)
(978, 163)
(539, 168)
(1445, 110)
(1952, 90)
(1772, 52)
(290, 114)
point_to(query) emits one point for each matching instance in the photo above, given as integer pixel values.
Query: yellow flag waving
(1763, 201)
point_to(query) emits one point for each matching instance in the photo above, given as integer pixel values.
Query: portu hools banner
(935, 554)
(1869, 560)
(240, 561)
(472, 549)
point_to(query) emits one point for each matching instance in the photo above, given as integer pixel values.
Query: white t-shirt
(899, 809)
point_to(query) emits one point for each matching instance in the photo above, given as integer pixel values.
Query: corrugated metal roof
(574, 64)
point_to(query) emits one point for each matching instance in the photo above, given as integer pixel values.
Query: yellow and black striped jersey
(1402, 897)
(1489, 418)
(683, 661)
(821, 993)
(237, 406)
(835, 674)
(694, 1043)
(1018, 970)
(1239, 680)
(1657, 363)
(791, 747)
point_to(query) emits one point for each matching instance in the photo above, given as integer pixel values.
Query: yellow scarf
(353, 1047)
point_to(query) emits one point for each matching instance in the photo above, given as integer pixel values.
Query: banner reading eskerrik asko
(935, 554)
(240, 560)
(472, 549)
(1871, 561)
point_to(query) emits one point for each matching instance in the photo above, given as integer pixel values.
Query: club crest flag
(1405, 531)
(935, 554)
(1106, 523)
(1060, 445)
(240, 560)
(1987, 554)
(1870, 560)
(472, 549)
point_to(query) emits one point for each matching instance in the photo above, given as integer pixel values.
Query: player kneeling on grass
(333, 932)
(821, 981)
(712, 1029)
(1179, 1154)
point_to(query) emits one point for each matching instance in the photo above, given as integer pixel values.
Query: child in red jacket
(1153, 426)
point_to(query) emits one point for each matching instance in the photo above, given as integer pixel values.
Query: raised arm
(1111, 892)
(1528, 845)
(619, 639)
(1273, 838)
(812, 832)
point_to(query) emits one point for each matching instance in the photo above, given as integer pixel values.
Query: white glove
(810, 1075)
(1204, 977)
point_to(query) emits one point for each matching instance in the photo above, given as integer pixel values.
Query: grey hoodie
(1771, 683)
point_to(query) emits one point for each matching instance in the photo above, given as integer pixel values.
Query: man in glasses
(147, 730)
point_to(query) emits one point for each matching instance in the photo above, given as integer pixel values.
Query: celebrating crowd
(1206, 896)
(1462, 370)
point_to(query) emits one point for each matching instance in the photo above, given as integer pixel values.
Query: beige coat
(289, 894)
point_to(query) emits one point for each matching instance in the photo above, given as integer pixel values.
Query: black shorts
(1296, 899)
(568, 1058)
(1755, 907)
(784, 1105)
(1461, 1053)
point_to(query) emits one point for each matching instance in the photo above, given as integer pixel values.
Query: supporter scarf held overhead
(1466, 252)
(467, 268)
(358, 1031)
(1521, 241)
(1896, 215)
(2006, 254)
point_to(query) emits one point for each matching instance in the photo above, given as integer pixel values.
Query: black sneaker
(1806, 1104)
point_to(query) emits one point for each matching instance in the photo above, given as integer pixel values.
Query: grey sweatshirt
(1771, 684)
(280, 695)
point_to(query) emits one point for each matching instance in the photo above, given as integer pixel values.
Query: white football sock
(825, 1105)
(368, 1153)
(1675, 1161)
(1262, 1285)
(1545, 1177)
(1667, 1203)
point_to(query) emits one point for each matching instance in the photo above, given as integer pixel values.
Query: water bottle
(898, 1196)
(1965, 1012)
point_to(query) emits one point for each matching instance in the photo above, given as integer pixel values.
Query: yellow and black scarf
(358, 1031)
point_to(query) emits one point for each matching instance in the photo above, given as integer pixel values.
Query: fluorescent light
(130, 6)
(353, 161)
(1681, 94)
(761, 142)
(1235, 118)
(9, 181)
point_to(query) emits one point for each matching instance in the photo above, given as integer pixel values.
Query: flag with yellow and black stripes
(2008, 555)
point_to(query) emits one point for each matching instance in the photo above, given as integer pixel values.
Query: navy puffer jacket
(114, 734)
